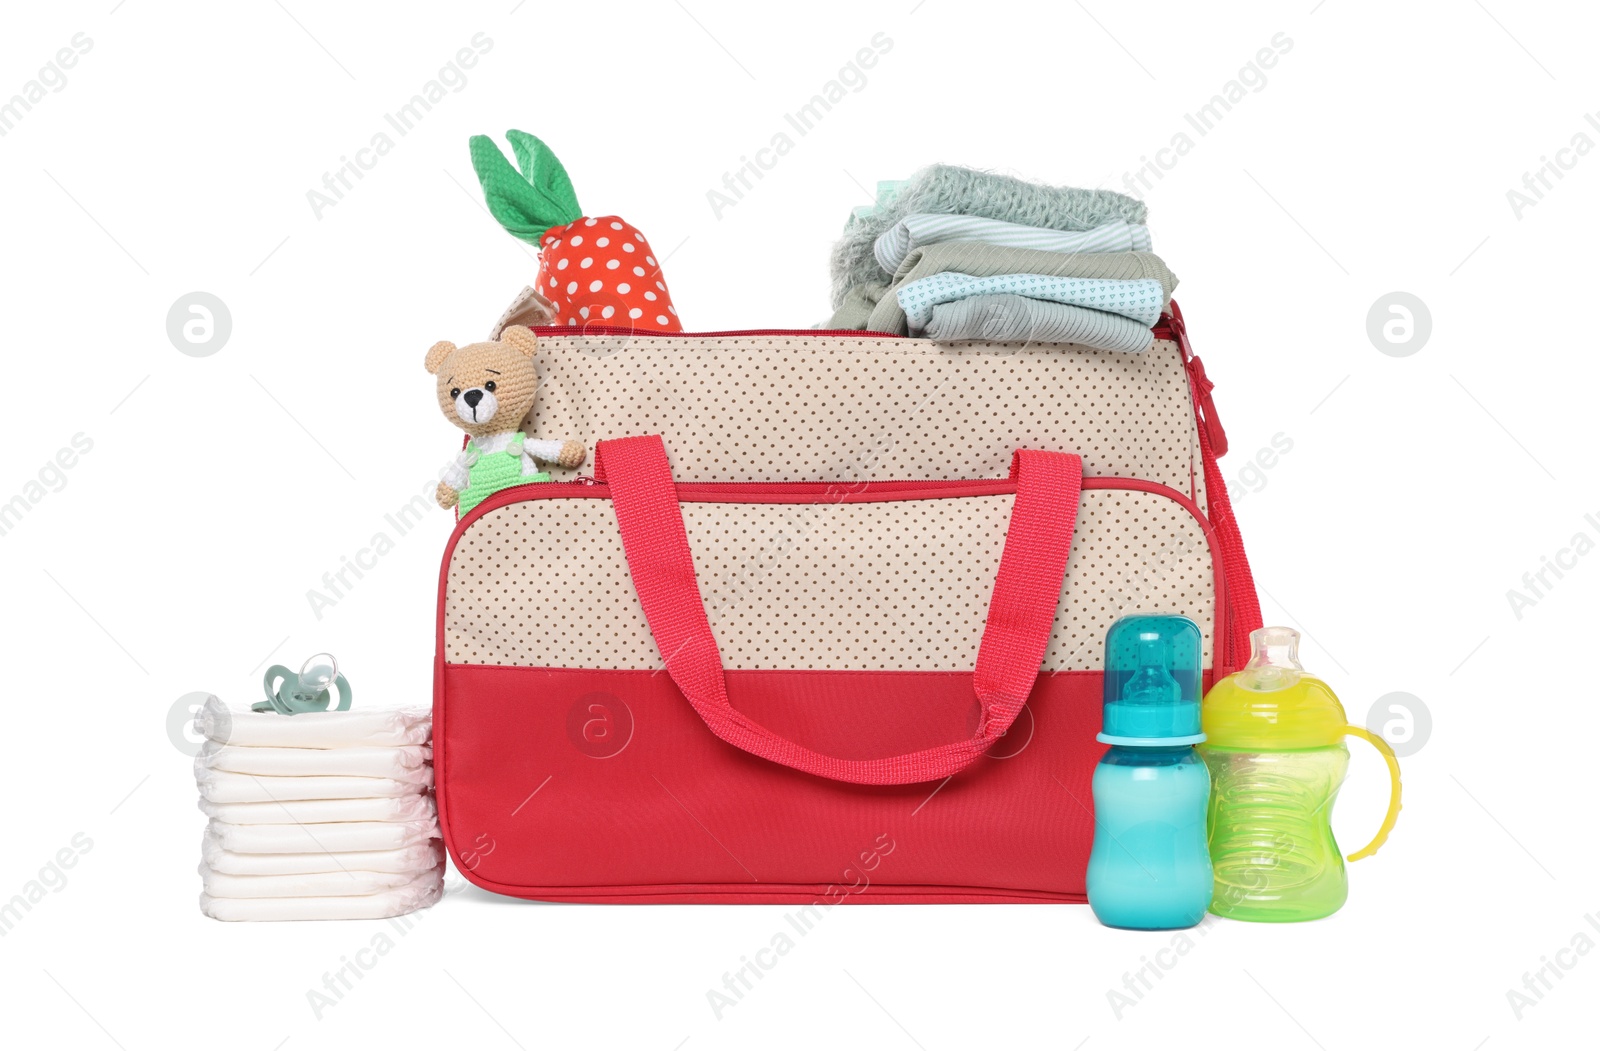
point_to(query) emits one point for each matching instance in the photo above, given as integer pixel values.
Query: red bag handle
(1022, 609)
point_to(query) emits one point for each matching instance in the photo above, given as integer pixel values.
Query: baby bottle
(1149, 869)
(1275, 748)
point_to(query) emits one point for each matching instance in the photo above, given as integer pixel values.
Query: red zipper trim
(777, 492)
(623, 330)
(1200, 384)
(1243, 602)
(1163, 329)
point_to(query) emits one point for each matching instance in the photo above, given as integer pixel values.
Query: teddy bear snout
(476, 405)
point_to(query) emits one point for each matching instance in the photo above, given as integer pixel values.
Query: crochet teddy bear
(488, 390)
(594, 271)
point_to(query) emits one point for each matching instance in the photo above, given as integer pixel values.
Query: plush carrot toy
(596, 271)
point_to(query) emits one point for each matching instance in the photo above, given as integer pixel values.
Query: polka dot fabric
(891, 586)
(601, 271)
(799, 408)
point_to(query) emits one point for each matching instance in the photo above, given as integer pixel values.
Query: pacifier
(309, 691)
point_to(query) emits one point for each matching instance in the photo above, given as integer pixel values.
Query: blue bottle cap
(1152, 683)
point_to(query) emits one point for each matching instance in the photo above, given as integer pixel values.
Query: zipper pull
(1201, 384)
(1208, 407)
(584, 479)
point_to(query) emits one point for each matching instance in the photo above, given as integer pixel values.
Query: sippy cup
(1275, 748)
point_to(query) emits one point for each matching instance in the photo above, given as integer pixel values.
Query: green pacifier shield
(291, 694)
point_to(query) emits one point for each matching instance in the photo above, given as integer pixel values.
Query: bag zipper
(873, 491)
(788, 492)
(1163, 329)
(1199, 383)
(623, 330)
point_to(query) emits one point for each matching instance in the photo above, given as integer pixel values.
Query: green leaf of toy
(546, 174)
(532, 201)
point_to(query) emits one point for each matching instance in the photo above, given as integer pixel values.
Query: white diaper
(394, 901)
(416, 807)
(221, 786)
(405, 763)
(410, 860)
(352, 729)
(321, 839)
(302, 885)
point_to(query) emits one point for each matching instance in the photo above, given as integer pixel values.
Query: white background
(178, 552)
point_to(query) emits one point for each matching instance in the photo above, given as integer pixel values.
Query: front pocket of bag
(848, 619)
(883, 576)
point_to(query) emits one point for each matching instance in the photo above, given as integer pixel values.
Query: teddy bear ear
(520, 337)
(437, 353)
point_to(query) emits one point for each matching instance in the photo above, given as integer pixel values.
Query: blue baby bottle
(1149, 868)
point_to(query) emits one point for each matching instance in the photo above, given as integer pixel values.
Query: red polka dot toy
(597, 271)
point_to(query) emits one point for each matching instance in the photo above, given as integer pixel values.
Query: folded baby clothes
(420, 893)
(411, 860)
(405, 763)
(1139, 300)
(948, 190)
(981, 260)
(858, 305)
(301, 885)
(915, 231)
(1018, 319)
(222, 786)
(314, 839)
(348, 729)
(414, 807)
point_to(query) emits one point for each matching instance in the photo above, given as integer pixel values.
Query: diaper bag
(824, 623)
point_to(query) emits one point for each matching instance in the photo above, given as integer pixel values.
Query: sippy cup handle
(1394, 790)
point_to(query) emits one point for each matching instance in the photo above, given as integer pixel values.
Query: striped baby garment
(925, 228)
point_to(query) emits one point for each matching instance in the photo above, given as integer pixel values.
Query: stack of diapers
(317, 816)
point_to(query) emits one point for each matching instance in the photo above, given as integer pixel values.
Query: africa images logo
(599, 725)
